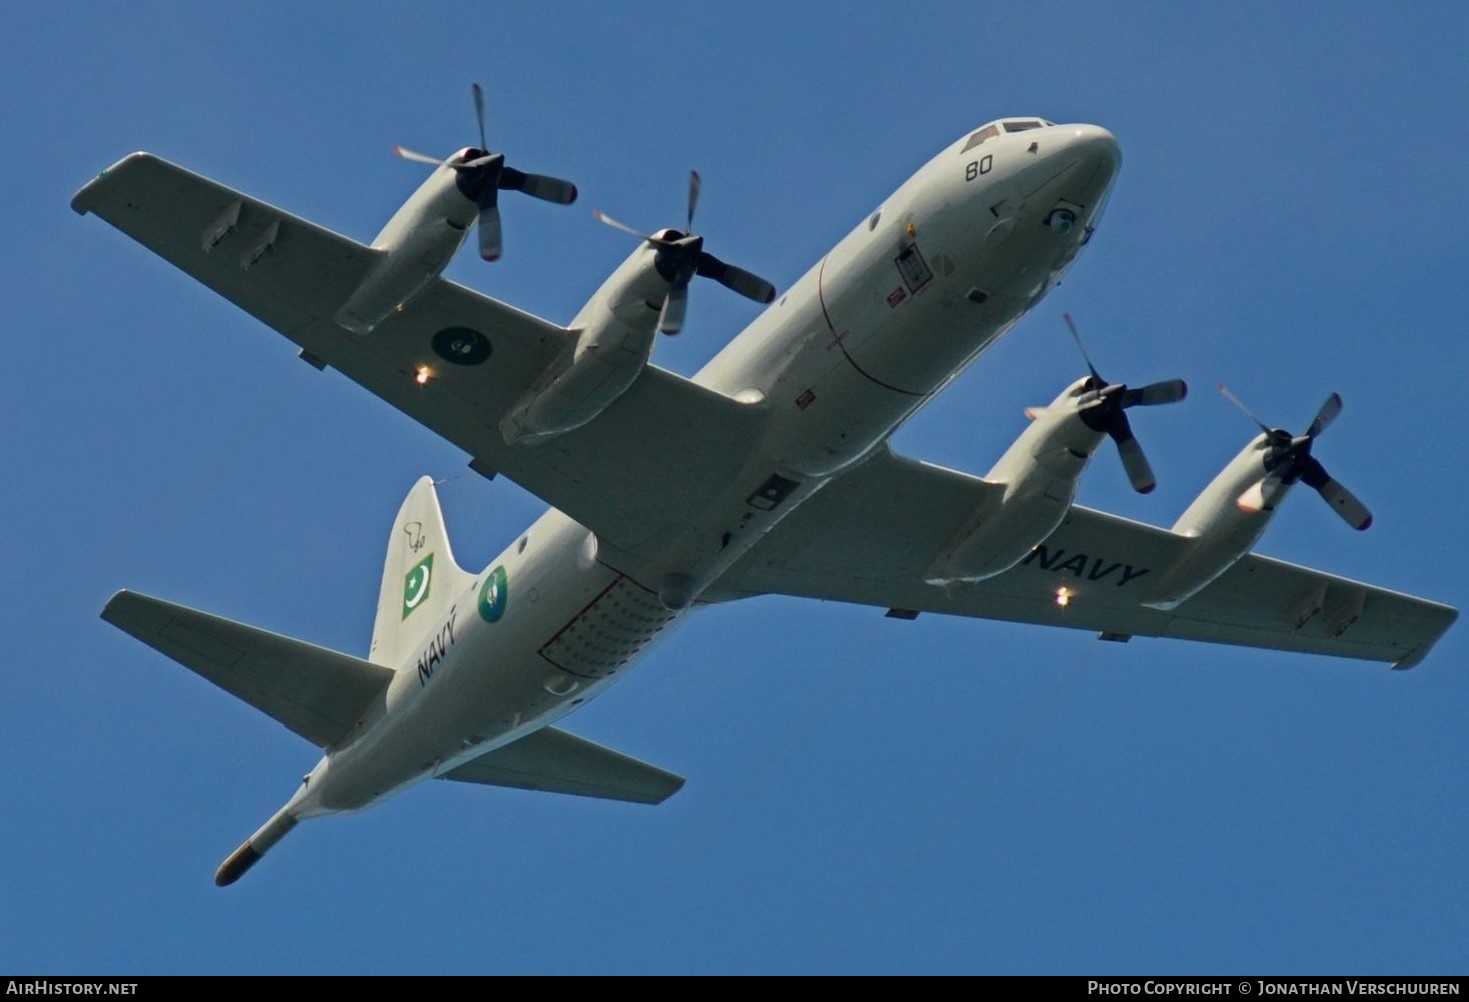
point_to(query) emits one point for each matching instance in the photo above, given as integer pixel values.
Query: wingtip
(118, 597)
(82, 201)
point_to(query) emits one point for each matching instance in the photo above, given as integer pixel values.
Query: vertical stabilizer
(420, 578)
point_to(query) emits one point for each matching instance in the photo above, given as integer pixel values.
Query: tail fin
(420, 578)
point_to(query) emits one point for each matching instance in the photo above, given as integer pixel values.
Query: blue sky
(864, 795)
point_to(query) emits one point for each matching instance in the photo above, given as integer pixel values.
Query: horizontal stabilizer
(318, 693)
(554, 761)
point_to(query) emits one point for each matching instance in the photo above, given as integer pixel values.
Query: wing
(557, 762)
(318, 693)
(869, 537)
(666, 445)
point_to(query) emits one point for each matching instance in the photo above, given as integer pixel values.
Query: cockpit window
(988, 132)
(1021, 124)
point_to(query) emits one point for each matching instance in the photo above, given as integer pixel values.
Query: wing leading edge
(664, 446)
(869, 537)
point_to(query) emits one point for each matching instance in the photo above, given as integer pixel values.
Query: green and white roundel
(417, 583)
(493, 595)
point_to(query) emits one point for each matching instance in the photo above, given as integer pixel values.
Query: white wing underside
(869, 537)
(665, 446)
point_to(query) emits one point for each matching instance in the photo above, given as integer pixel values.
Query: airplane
(768, 472)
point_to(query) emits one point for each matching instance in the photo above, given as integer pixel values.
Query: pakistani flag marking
(493, 595)
(416, 584)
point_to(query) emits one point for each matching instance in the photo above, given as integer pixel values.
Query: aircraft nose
(1088, 144)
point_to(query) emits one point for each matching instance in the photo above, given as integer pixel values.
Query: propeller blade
(602, 217)
(746, 283)
(1236, 401)
(1343, 501)
(670, 320)
(1071, 325)
(1036, 413)
(1324, 417)
(547, 189)
(479, 113)
(1167, 392)
(695, 185)
(489, 232)
(422, 158)
(1136, 464)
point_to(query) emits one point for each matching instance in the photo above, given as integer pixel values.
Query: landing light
(421, 377)
(1063, 596)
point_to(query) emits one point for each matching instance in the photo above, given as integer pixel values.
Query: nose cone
(1048, 208)
(1090, 146)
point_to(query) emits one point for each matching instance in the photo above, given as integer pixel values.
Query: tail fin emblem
(416, 584)
(416, 538)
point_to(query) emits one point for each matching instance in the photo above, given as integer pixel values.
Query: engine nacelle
(1039, 474)
(1220, 531)
(411, 251)
(615, 334)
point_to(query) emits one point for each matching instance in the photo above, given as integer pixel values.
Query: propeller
(1289, 460)
(1103, 407)
(483, 175)
(681, 256)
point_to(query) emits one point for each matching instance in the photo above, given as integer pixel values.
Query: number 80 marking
(975, 168)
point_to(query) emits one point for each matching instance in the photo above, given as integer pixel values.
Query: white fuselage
(899, 306)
